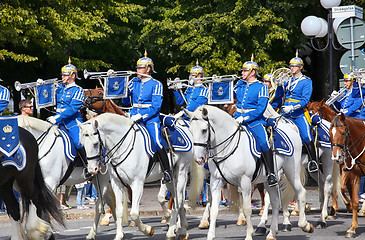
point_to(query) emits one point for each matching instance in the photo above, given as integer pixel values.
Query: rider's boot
(267, 156)
(164, 160)
(312, 157)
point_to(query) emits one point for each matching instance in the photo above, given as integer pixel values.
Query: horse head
(339, 135)
(322, 110)
(91, 140)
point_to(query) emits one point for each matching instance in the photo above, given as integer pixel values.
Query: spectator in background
(26, 107)
(81, 190)
(90, 192)
(61, 191)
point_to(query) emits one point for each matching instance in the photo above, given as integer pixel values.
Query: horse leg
(161, 199)
(334, 207)
(36, 227)
(261, 227)
(204, 222)
(137, 190)
(261, 189)
(355, 206)
(114, 181)
(215, 189)
(362, 210)
(274, 199)
(345, 179)
(241, 221)
(246, 205)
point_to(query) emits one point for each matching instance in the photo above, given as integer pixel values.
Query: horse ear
(96, 124)
(205, 113)
(342, 117)
(79, 124)
(322, 101)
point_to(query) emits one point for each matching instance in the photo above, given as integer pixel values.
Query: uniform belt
(242, 110)
(292, 100)
(59, 110)
(138, 105)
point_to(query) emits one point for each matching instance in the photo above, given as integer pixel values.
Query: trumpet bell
(281, 76)
(18, 86)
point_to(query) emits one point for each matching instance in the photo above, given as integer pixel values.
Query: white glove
(288, 109)
(178, 85)
(110, 72)
(136, 117)
(179, 114)
(40, 81)
(241, 119)
(52, 120)
(334, 93)
(343, 110)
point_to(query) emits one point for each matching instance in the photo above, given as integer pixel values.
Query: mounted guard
(296, 94)
(69, 100)
(146, 95)
(195, 95)
(252, 99)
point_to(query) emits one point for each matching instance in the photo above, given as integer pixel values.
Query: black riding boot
(164, 160)
(312, 157)
(267, 156)
(81, 154)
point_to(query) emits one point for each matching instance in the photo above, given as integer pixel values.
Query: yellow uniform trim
(292, 100)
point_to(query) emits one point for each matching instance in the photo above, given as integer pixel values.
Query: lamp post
(314, 27)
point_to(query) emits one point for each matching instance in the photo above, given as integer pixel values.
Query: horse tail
(336, 180)
(125, 206)
(235, 199)
(47, 202)
(196, 182)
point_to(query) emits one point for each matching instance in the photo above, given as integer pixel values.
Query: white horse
(54, 164)
(216, 131)
(327, 177)
(129, 162)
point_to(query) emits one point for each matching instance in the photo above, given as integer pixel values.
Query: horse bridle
(89, 100)
(207, 145)
(344, 147)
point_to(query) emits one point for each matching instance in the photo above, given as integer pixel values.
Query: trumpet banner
(221, 92)
(115, 87)
(45, 95)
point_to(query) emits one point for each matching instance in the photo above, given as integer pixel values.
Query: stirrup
(271, 180)
(312, 166)
(166, 177)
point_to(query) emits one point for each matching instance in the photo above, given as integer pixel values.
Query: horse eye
(204, 130)
(100, 93)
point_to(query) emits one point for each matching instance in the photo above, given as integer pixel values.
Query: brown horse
(94, 101)
(348, 145)
(347, 178)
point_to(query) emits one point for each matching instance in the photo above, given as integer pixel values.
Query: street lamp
(314, 27)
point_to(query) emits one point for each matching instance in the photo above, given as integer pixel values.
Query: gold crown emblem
(7, 129)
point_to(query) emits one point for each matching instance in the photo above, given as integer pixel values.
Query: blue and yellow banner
(115, 87)
(9, 135)
(221, 92)
(45, 95)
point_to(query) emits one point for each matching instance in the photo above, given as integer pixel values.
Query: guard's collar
(298, 76)
(71, 85)
(145, 79)
(198, 84)
(252, 82)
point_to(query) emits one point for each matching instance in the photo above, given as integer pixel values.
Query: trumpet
(214, 78)
(110, 73)
(360, 75)
(333, 99)
(19, 86)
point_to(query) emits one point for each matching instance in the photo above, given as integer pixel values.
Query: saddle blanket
(323, 135)
(9, 135)
(70, 150)
(17, 160)
(282, 143)
(178, 138)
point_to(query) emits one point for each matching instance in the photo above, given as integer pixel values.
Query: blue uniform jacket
(298, 94)
(356, 94)
(69, 102)
(347, 104)
(4, 98)
(252, 97)
(195, 97)
(146, 99)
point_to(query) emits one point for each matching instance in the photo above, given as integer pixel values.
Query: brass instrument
(110, 73)
(215, 78)
(19, 86)
(177, 83)
(281, 76)
(339, 95)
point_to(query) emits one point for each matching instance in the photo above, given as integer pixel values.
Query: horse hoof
(261, 212)
(294, 213)
(286, 227)
(149, 231)
(184, 237)
(361, 213)
(350, 234)
(163, 220)
(332, 212)
(270, 238)
(307, 208)
(204, 224)
(308, 228)
(132, 223)
(260, 231)
(104, 223)
(321, 225)
(241, 222)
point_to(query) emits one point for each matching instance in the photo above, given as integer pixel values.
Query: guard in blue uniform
(359, 96)
(69, 99)
(297, 94)
(267, 79)
(146, 95)
(196, 95)
(252, 99)
(4, 98)
(346, 103)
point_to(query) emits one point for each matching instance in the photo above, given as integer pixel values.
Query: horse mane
(108, 118)
(33, 123)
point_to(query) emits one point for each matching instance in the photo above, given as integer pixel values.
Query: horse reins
(89, 100)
